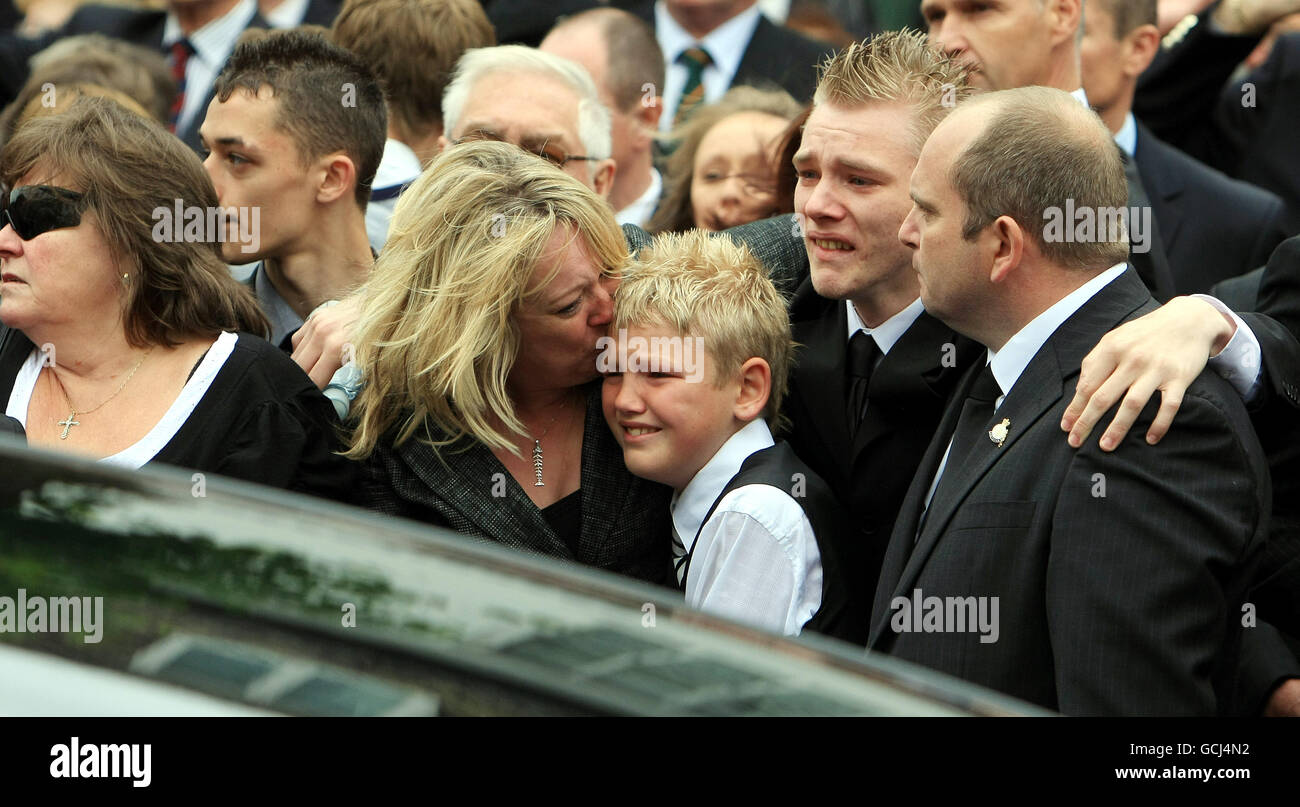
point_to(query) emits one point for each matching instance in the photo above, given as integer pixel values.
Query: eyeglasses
(753, 185)
(36, 209)
(553, 154)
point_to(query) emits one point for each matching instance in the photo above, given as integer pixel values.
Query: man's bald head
(996, 197)
(1029, 150)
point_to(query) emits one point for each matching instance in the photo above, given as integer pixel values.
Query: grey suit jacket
(1119, 576)
(625, 520)
(775, 241)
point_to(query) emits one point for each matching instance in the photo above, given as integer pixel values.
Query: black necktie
(972, 424)
(863, 354)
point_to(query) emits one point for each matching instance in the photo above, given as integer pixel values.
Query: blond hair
(895, 67)
(714, 288)
(437, 337)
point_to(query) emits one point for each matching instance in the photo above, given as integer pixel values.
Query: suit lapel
(901, 542)
(911, 381)
(1162, 184)
(1152, 265)
(819, 373)
(756, 62)
(1039, 388)
(1035, 392)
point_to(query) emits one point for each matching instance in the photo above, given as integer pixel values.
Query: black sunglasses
(35, 209)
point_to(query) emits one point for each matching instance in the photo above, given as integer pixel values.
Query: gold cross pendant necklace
(71, 419)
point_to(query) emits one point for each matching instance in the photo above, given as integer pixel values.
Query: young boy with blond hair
(696, 362)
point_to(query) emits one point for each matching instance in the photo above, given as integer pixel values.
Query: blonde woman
(723, 172)
(478, 343)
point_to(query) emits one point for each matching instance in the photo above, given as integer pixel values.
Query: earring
(126, 278)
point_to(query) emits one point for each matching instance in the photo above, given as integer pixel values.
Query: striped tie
(181, 52)
(695, 60)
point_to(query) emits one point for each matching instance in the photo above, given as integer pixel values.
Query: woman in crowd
(478, 344)
(722, 172)
(121, 341)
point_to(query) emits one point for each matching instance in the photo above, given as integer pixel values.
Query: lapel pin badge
(998, 434)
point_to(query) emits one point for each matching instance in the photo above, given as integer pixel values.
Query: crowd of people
(975, 345)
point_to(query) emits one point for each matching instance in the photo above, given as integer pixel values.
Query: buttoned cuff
(1239, 362)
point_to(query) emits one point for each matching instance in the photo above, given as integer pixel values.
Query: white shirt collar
(640, 211)
(397, 166)
(214, 42)
(1081, 97)
(691, 505)
(1009, 362)
(288, 14)
(1127, 136)
(726, 44)
(891, 330)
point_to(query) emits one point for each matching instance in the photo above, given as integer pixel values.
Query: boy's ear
(755, 388)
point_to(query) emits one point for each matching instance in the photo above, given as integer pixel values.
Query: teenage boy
(697, 359)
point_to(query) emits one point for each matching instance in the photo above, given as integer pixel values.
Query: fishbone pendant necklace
(537, 454)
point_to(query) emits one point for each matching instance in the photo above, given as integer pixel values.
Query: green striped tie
(695, 60)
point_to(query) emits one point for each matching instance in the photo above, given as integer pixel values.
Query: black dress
(261, 420)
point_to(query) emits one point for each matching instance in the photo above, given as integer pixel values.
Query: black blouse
(261, 420)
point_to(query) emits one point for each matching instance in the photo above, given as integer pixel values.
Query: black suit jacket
(1213, 227)
(1249, 133)
(1127, 603)
(141, 27)
(775, 56)
(321, 12)
(906, 397)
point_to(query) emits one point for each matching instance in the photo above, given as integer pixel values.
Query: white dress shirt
(213, 44)
(726, 46)
(399, 166)
(288, 14)
(640, 211)
(1127, 136)
(756, 559)
(887, 333)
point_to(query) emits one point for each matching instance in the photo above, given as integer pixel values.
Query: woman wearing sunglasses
(122, 338)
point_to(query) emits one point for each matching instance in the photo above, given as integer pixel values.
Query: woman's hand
(322, 345)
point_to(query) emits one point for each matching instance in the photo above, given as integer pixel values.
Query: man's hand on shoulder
(1164, 350)
(318, 346)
